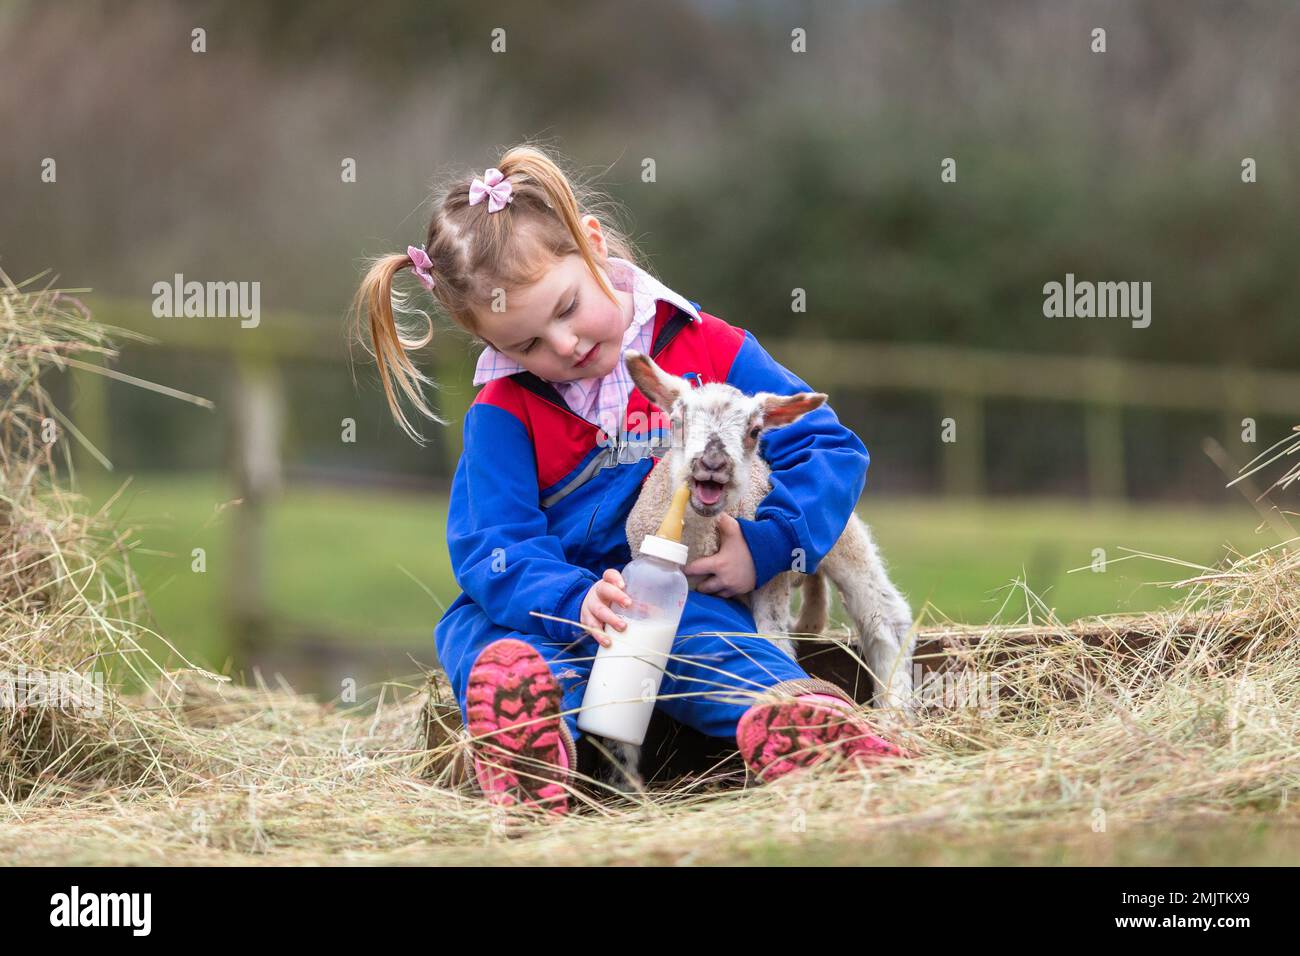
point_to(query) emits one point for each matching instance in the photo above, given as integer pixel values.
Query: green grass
(961, 556)
(375, 565)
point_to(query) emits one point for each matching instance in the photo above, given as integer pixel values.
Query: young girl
(541, 494)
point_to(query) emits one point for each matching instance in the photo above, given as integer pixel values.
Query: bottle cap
(659, 547)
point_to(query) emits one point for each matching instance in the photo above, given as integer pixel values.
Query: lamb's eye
(753, 432)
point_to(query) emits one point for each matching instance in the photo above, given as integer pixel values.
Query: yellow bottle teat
(671, 528)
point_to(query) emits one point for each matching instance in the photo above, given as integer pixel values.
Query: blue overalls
(538, 507)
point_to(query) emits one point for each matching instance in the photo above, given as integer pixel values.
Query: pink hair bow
(421, 263)
(494, 186)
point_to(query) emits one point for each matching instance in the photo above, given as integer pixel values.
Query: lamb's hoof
(628, 784)
(895, 711)
(614, 772)
(620, 780)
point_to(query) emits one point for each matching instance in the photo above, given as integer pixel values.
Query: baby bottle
(625, 676)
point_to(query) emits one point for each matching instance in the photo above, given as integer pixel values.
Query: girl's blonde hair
(474, 253)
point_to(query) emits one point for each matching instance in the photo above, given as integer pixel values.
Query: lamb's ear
(781, 410)
(657, 385)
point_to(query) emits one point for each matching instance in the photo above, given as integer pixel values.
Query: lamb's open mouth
(707, 495)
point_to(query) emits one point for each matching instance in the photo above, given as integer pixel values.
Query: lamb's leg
(620, 768)
(814, 612)
(771, 607)
(880, 614)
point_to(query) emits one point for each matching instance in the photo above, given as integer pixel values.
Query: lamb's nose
(714, 460)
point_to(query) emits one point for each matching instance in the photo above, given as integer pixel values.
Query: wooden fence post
(1104, 444)
(88, 409)
(1103, 429)
(1240, 401)
(256, 414)
(963, 458)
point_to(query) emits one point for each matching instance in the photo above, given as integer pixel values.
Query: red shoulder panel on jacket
(560, 439)
(505, 393)
(723, 342)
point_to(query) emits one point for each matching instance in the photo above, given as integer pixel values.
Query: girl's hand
(598, 606)
(729, 572)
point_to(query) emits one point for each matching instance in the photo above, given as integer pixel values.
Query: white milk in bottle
(625, 677)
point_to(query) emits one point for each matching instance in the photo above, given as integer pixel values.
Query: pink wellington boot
(522, 748)
(777, 737)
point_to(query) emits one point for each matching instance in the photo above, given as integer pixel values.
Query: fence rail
(961, 380)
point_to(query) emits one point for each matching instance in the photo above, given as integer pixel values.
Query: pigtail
(389, 343)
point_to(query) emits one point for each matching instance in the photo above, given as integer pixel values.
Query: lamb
(716, 430)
